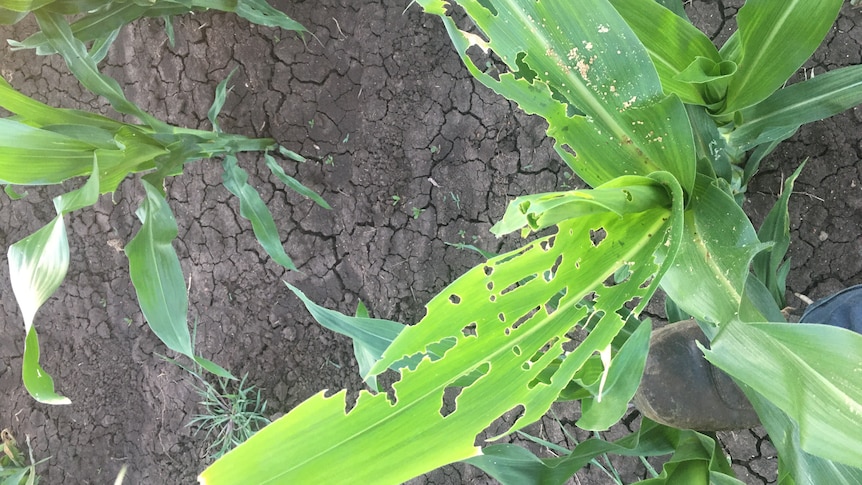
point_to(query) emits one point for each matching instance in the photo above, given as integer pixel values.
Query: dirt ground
(384, 95)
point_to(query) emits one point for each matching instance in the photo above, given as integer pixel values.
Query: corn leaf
(25, 5)
(718, 241)
(817, 98)
(33, 156)
(502, 329)
(371, 336)
(794, 464)
(775, 38)
(515, 465)
(252, 207)
(156, 274)
(810, 372)
(572, 63)
(261, 13)
(83, 67)
(294, 184)
(10, 17)
(40, 114)
(672, 41)
(37, 266)
(38, 383)
(538, 211)
(617, 384)
(770, 266)
(218, 102)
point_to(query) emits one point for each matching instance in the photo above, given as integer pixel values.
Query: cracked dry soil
(386, 108)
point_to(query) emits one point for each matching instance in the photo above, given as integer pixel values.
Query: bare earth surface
(384, 95)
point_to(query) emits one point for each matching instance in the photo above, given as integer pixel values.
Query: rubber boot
(680, 388)
(843, 309)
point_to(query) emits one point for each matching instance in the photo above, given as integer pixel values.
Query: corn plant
(42, 145)
(667, 129)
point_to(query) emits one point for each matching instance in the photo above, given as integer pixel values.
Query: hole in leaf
(454, 299)
(490, 286)
(514, 286)
(549, 275)
(646, 283)
(593, 320)
(516, 350)
(501, 316)
(469, 330)
(488, 270)
(524, 70)
(493, 298)
(554, 301)
(623, 273)
(350, 399)
(548, 244)
(598, 235)
(488, 5)
(391, 396)
(450, 394)
(500, 426)
(526, 317)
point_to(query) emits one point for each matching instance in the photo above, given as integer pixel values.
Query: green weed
(232, 413)
(14, 469)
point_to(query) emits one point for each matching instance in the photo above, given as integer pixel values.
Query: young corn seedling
(43, 145)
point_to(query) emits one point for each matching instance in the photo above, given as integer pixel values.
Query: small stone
(823, 236)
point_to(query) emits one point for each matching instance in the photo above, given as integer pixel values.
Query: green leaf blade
(294, 184)
(817, 98)
(672, 41)
(60, 36)
(582, 82)
(156, 273)
(775, 38)
(707, 278)
(503, 354)
(38, 383)
(37, 266)
(809, 371)
(253, 208)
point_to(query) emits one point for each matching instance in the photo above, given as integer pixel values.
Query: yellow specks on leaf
(583, 68)
(573, 54)
(628, 104)
(603, 29)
